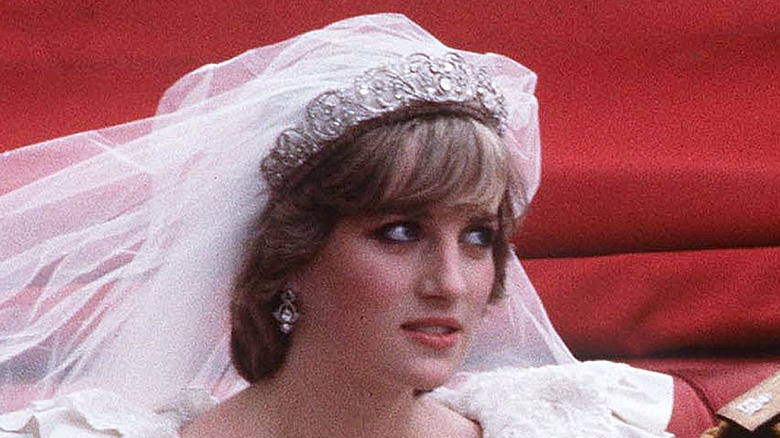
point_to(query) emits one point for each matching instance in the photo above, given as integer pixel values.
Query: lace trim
(594, 400)
(96, 413)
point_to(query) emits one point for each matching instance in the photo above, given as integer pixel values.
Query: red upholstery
(654, 236)
(690, 415)
(704, 384)
(662, 302)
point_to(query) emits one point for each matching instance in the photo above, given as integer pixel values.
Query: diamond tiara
(419, 85)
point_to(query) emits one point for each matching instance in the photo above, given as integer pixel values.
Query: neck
(311, 397)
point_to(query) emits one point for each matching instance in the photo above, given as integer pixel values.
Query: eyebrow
(475, 215)
(484, 216)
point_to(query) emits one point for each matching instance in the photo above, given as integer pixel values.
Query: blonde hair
(444, 159)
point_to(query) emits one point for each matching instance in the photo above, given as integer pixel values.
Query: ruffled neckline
(97, 413)
(591, 399)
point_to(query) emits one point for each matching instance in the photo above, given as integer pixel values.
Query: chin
(430, 374)
(429, 370)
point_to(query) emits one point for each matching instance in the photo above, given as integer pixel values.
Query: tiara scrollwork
(421, 83)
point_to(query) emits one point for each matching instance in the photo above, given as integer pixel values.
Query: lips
(438, 330)
(435, 333)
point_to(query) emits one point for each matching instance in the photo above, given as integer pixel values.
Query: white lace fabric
(591, 399)
(98, 413)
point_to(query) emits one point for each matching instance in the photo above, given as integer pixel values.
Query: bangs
(454, 162)
(440, 159)
(444, 159)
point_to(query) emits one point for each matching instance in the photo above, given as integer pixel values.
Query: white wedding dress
(589, 399)
(110, 280)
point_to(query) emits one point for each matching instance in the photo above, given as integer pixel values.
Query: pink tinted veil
(118, 247)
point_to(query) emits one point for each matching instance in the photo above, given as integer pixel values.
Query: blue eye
(479, 236)
(399, 232)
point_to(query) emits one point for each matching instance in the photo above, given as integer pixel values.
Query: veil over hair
(118, 247)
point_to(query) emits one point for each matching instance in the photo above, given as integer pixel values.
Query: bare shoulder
(227, 420)
(448, 423)
(207, 424)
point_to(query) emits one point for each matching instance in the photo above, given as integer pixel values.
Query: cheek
(482, 278)
(358, 289)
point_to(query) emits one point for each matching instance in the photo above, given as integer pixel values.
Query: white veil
(118, 247)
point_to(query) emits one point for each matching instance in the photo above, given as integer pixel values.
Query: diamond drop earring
(286, 314)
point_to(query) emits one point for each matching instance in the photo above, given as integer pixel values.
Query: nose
(445, 272)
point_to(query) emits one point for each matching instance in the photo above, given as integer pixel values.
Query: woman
(392, 270)
(393, 172)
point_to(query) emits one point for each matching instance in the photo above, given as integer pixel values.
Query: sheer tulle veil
(118, 247)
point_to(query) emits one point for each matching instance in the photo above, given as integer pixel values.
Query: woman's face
(398, 296)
